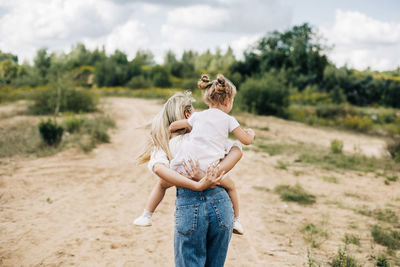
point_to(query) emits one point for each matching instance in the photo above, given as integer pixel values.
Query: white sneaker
(237, 227)
(142, 221)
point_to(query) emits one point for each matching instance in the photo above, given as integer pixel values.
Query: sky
(358, 33)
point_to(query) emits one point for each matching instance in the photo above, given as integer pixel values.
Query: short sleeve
(192, 118)
(233, 124)
(157, 156)
(231, 144)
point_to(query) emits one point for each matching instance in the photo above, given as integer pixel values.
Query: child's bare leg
(156, 196)
(229, 185)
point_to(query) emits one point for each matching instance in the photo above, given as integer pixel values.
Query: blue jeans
(203, 227)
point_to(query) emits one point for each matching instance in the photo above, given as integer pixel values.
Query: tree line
(280, 67)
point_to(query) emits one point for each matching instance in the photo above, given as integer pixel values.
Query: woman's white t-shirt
(208, 139)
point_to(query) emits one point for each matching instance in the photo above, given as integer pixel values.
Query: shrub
(336, 146)
(386, 237)
(314, 234)
(139, 82)
(73, 124)
(351, 239)
(332, 111)
(295, 193)
(267, 95)
(382, 261)
(343, 260)
(358, 123)
(50, 132)
(73, 100)
(393, 146)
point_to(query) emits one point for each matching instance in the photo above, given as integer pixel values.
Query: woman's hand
(193, 171)
(212, 179)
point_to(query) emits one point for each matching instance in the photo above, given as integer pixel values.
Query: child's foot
(142, 221)
(237, 227)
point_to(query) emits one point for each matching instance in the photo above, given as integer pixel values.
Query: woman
(203, 219)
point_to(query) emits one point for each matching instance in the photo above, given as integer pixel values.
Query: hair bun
(204, 82)
(205, 78)
(221, 84)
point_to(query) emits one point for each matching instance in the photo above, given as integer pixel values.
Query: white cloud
(30, 25)
(198, 17)
(361, 41)
(128, 37)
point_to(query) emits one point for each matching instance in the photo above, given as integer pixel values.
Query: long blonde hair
(174, 109)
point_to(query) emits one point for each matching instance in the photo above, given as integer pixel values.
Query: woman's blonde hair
(174, 109)
(216, 91)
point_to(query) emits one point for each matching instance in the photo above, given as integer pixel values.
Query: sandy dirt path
(76, 209)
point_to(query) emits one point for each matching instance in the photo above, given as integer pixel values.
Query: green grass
(330, 179)
(386, 237)
(295, 194)
(331, 161)
(382, 261)
(261, 188)
(19, 138)
(385, 215)
(314, 234)
(324, 158)
(281, 165)
(22, 138)
(342, 259)
(336, 146)
(351, 239)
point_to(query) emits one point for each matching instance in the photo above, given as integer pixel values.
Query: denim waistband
(207, 193)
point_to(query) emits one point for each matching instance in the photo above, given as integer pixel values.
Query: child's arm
(245, 136)
(180, 124)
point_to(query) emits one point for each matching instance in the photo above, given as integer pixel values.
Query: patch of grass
(19, 138)
(313, 234)
(336, 146)
(266, 128)
(48, 200)
(353, 162)
(382, 261)
(150, 93)
(330, 179)
(385, 215)
(73, 123)
(282, 165)
(393, 146)
(343, 260)
(94, 131)
(311, 262)
(351, 239)
(386, 237)
(261, 188)
(271, 149)
(22, 138)
(295, 194)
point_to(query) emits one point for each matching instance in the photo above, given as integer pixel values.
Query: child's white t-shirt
(208, 139)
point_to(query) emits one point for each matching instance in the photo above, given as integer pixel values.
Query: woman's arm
(211, 179)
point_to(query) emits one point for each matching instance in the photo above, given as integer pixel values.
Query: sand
(76, 209)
